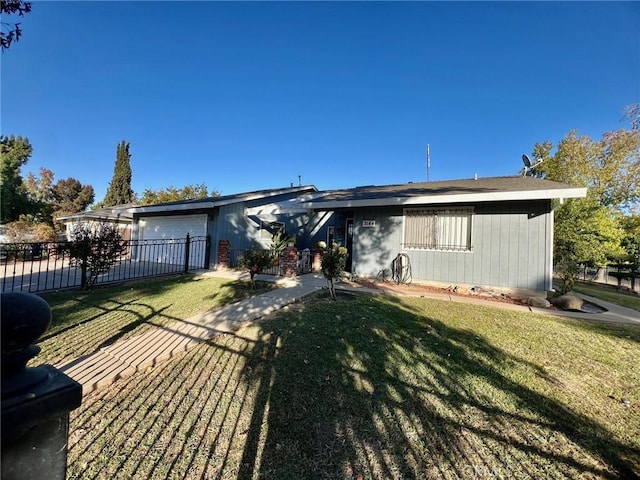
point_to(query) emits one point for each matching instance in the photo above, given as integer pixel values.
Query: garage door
(163, 238)
(152, 228)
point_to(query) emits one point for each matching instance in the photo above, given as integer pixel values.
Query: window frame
(267, 230)
(438, 245)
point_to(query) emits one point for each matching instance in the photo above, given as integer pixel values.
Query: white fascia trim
(275, 209)
(291, 206)
(461, 198)
(94, 216)
(174, 208)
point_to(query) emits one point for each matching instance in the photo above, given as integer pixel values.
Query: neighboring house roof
(444, 192)
(118, 213)
(211, 202)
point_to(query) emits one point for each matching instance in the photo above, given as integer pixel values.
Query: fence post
(84, 266)
(36, 401)
(187, 247)
(207, 252)
(289, 259)
(224, 254)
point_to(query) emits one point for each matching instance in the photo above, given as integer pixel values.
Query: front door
(349, 244)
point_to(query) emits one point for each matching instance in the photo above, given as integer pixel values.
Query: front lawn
(84, 322)
(377, 387)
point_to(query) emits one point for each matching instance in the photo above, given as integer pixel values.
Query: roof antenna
(529, 167)
(428, 160)
(299, 180)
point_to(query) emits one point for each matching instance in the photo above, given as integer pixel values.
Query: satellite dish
(529, 167)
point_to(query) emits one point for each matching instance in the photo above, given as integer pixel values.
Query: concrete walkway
(137, 354)
(144, 351)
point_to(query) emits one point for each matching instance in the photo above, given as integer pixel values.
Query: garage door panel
(173, 227)
(165, 238)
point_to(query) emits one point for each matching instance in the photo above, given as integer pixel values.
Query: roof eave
(448, 199)
(180, 207)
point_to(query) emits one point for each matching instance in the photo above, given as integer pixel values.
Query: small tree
(255, 260)
(95, 249)
(567, 270)
(333, 262)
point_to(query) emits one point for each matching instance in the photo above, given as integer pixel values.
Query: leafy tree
(70, 196)
(631, 238)
(14, 153)
(173, 194)
(631, 245)
(589, 230)
(120, 191)
(332, 264)
(632, 113)
(609, 168)
(38, 190)
(12, 32)
(585, 233)
(95, 249)
(39, 187)
(50, 200)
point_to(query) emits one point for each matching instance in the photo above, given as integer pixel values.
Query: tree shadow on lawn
(621, 331)
(327, 389)
(348, 394)
(84, 322)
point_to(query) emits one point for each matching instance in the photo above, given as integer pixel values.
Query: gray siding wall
(374, 248)
(234, 226)
(229, 222)
(511, 247)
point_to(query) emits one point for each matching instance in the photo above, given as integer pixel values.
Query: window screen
(439, 229)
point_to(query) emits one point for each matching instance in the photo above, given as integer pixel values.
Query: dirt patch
(417, 289)
(340, 296)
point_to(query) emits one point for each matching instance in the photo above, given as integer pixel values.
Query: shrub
(332, 265)
(255, 260)
(95, 249)
(279, 243)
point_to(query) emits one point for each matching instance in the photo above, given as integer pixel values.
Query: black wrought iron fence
(38, 267)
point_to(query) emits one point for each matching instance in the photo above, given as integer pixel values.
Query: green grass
(608, 293)
(376, 387)
(83, 322)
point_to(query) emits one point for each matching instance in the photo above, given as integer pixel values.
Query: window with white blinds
(438, 229)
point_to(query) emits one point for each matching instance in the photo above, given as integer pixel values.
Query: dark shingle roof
(236, 197)
(491, 188)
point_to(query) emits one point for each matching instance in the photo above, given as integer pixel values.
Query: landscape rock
(568, 302)
(538, 302)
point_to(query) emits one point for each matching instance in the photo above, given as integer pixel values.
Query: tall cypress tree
(120, 191)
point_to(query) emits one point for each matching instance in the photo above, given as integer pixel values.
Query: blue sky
(245, 96)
